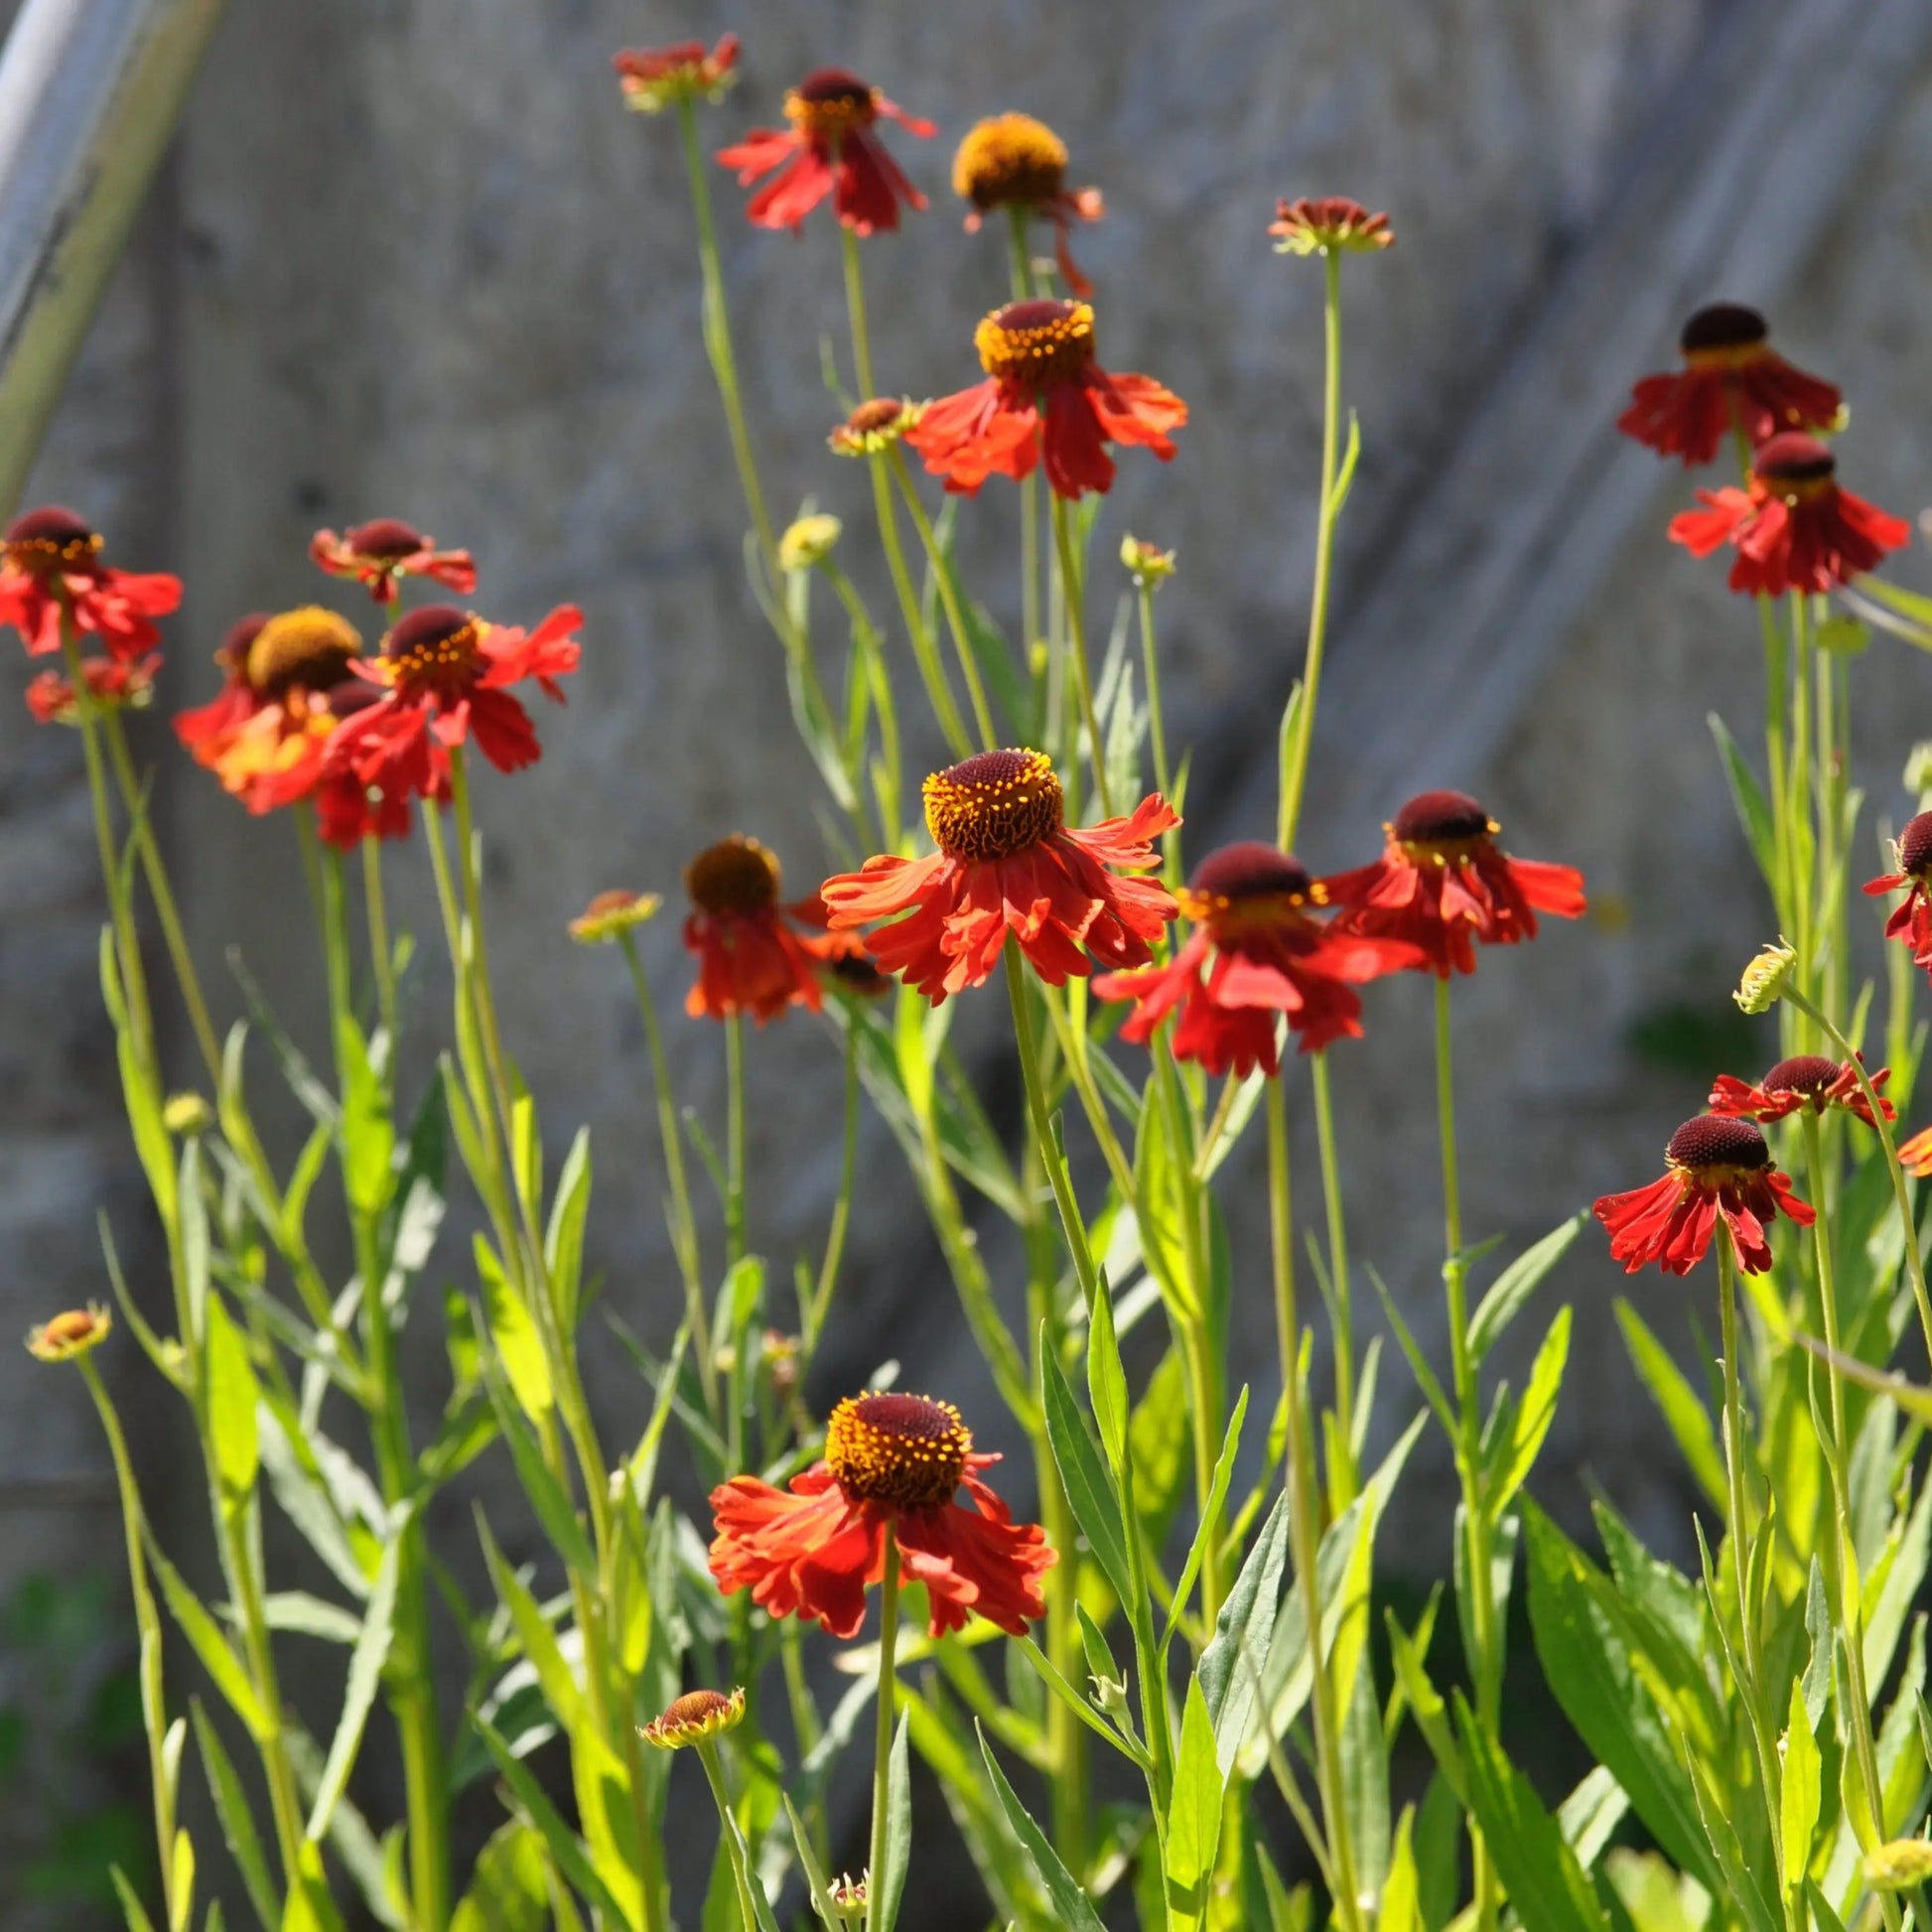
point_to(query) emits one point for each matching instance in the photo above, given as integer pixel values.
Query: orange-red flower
(1328, 224)
(748, 959)
(891, 1466)
(1911, 918)
(1804, 1080)
(830, 148)
(1732, 380)
(443, 677)
(1915, 1154)
(656, 77)
(1443, 884)
(1044, 395)
(51, 575)
(1713, 1165)
(113, 683)
(843, 959)
(1793, 528)
(1257, 954)
(1012, 161)
(378, 553)
(1006, 863)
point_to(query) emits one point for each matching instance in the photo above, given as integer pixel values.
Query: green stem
(956, 623)
(855, 302)
(814, 1316)
(882, 1766)
(1077, 633)
(1325, 542)
(381, 957)
(1022, 288)
(734, 1140)
(1157, 733)
(925, 652)
(1343, 1481)
(740, 1876)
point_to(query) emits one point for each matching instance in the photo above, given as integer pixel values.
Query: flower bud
(1766, 978)
(1148, 564)
(694, 1718)
(1899, 1865)
(187, 1113)
(809, 542)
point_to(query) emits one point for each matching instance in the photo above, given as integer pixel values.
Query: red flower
(1911, 918)
(378, 553)
(749, 960)
(113, 683)
(842, 958)
(1915, 1154)
(655, 77)
(1265, 956)
(1013, 161)
(443, 675)
(1731, 380)
(1794, 528)
(1714, 1166)
(1006, 863)
(829, 149)
(1442, 884)
(1805, 1080)
(50, 573)
(1329, 225)
(891, 1465)
(1043, 392)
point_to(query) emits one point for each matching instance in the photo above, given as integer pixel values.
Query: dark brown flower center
(309, 647)
(881, 412)
(736, 877)
(1802, 1073)
(1442, 825)
(232, 652)
(1246, 884)
(1713, 1141)
(50, 538)
(1722, 326)
(1915, 846)
(1036, 344)
(899, 1449)
(993, 806)
(830, 103)
(1010, 160)
(1791, 457)
(385, 538)
(435, 649)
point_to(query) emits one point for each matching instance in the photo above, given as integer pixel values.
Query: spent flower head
(875, 426)
(70, 1333)
(656, 77)
(610, 916)
(1329, 225)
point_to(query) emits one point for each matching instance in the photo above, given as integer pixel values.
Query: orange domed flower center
(1716, 1149)
(1794, 467)
(309, 647)
(435, 649)
(1442, 828)
(1915, 848)
(1245, 885)
(899, 1449)
(384, 538)
(1010, 160)
(1034, 343)
(1725, 334)
(1806, 1073)
(692, 1718)
(48, 539)
(829, 104)
(735, 879)
(875, 426)
(993, 806)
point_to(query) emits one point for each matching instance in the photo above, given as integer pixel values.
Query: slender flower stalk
(734, 1140)
(1074, 593)
(1343, 1478)
(820, 1300)
(944, 576)
(885, 1701)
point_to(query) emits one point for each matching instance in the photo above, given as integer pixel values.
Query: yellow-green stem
(1343, 1480)
(381, 958)
(949, 601)
(925, 652)
(888, 1696)
(734, 1140)
(734, 1852)
(1074, 591)
(1022, 288)
(813, 1318)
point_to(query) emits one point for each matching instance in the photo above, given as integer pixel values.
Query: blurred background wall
(410, 257)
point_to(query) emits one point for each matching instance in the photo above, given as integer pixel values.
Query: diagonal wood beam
(1730, 194)
(90, 91)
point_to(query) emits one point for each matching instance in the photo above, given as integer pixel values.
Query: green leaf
(1401, 1908)
(132, 1910)
(1193, 1834)
(236, 1819)
(1234, 1667)
(1365, 1782)
(1426, 1706)
(547, 1495)
(309, 1616)
(365, 1664)
(1684, 1414)
(1072, 1908)
(1089, 1487)
(1801, 1790)
(1106, 1378)
(1517, 1283)
(513, 1329)
(232, 1395)
(562, 1842)
(209, 1645)
(369, 1133)
(898, 1835)
(563, 1241)
(1747, 797)
(1534, 1416)
(507, 1890)
(1211, 1523)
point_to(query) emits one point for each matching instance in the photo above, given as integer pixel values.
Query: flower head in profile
(844, 962)
(694, 1718)
(1805, 1081)
(849, 1898)
(1146, 563)
(1012, 161)
(1716, 1167)
(113, 684)
(832, 147)
(1766, 975)
(52, 579)
(1793, 528)
(893, 1468)
(875, 426)
(1732, 380)
(70, 1333)
(656, 77)
(1044, 397)
(1911, 918)
(380, 553)
(610, 916)
(808, 541)
(1329, 225)
(1006, 863)
(750, 960)
(444, 677)
(1444, 884)
(1259, 953)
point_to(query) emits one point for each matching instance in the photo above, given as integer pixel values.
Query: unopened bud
(1147, 565)
(187, 1113)
(809, 542)
(1899, 1865)
(1766, 978)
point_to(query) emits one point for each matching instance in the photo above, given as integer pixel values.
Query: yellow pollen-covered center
(40, 554)
(1793, 490)
(1010, 160)
(993, 806)
(1230, 916)
(309, 647)
(736, 876)
(1727, 356)
(1035, 344)
(899, 1450)
(831, 117)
